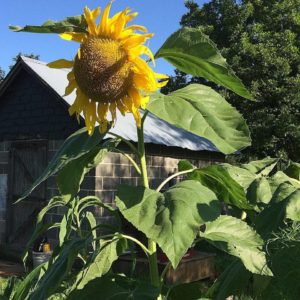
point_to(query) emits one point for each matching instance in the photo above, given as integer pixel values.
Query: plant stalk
(154, 274)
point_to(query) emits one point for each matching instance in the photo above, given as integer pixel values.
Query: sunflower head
(108, 72)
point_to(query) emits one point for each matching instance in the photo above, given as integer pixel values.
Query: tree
(261, 40)
(31, 55)
(2, 75)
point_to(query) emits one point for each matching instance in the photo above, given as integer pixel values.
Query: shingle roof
(156, 130)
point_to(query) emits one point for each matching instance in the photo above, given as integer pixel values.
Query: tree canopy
(2, 75)
(30, 55)
(261, 41)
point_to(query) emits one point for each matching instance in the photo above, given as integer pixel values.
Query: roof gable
(157, 131)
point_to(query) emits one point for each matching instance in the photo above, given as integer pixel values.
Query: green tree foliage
(261, 41)
(2, 75)
(31, 55)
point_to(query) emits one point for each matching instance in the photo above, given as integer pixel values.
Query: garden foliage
(260, 199)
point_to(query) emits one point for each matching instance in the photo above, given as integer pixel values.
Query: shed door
(27, 161)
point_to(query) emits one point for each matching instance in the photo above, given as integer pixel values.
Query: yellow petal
(104, 28)
(137, 27)
(90, 17)
(73, 36)
(102, 116)
(137, 116)
(144, 102)
(61, 64)
(140, 50)
(118, 25)
(90, 117)
(80, 102)
(70, 87)
(112, 108)
(135, 40)
(121, 107)
(135, 96)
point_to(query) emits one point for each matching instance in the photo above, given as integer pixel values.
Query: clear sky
(160, 17)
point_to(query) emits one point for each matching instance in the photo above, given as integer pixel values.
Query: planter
(39, 258)
(194, 267)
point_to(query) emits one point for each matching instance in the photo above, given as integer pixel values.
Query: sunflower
(108, 72)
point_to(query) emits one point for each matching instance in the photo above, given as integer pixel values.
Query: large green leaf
(70, 24)
(75, 146)
(192, 52)
(71, 176)
(293, 206)
(233, 281)
(199, 109)
(58, 270)
(101, 261)
(237, 238)
(43, 227)
(262, 167)
(113, 287)
(293, 170)
(190, 291)
(280, 178)
(173, 218)
(286, 268)
(285, 203)
(28, 283)
(242, 176)
(217, 179)
(259, 191)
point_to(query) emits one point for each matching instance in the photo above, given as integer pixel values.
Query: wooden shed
(34, 121)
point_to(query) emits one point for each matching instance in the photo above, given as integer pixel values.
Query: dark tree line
(14, 59)
(261, 41)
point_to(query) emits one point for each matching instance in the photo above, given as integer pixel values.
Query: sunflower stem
(154, 274)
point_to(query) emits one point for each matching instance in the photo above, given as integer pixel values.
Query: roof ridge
(40, 62)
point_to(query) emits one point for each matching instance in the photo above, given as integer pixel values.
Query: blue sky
(160, 17)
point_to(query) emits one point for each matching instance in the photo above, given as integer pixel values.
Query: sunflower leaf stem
(134, 164)
(173, 176)
(130, 145)
(154, 274)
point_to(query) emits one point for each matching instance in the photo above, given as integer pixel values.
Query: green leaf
(190, 291)
(262, 167)
(192, 52)
(233, 281)
(242, 176)
(115, 287)
(259, 191)
(217, 179)
(199, 109)
(293, 206)
(286, 268)
(28, 283)
(75, 146)
(293, 170)
(70, 24)
(101, 261)
(171, 219)
(281, 177)
(71, 176)
(285, 203)
(58, 270)
(40, 227)
(238, 239)
(185, 165)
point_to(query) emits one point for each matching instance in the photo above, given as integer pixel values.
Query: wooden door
(27, 162)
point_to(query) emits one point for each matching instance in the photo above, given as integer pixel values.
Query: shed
(34, 122)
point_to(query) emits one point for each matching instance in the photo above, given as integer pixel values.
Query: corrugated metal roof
(156, 130)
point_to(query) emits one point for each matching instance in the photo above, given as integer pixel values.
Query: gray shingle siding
(31, 110)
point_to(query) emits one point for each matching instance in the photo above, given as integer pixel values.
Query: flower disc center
(103, 71)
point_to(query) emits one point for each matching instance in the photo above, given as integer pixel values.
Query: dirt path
(8, 268)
